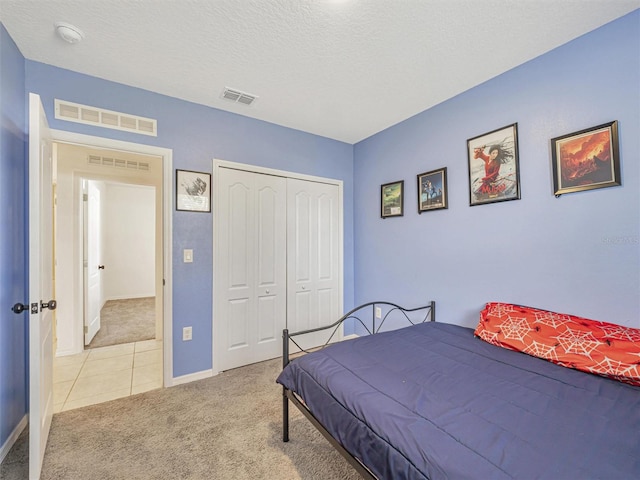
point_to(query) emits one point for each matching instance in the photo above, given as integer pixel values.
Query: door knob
(51, 305)
(100, 267)
(19, 308)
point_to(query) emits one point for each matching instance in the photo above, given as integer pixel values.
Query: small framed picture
(432, 190)
(193, 191)
(392, 199)
(586, 160)
(494, 173)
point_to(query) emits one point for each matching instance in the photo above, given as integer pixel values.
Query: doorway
(120, 263)
(120, 184)
(109, 204)
(123, 166)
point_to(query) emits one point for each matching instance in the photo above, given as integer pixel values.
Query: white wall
(129, 241)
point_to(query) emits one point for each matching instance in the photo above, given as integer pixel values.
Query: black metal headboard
(411, 315)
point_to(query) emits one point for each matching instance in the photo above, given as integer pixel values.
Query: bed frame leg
(285, 400)
(285, 416)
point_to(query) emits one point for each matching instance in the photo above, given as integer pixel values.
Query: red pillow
(597, 347)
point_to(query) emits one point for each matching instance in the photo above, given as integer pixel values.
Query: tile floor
(102, 374)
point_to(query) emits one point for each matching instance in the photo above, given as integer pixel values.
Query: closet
(278, 261)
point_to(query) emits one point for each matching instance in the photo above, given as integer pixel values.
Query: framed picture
(193, 191)
(432, 190)
(392, 199)
(586, 160)
(494, 173)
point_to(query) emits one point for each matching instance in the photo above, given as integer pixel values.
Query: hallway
(102, 374)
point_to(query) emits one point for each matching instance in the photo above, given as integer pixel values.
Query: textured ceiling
(343, 69)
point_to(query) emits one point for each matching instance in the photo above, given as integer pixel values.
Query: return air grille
(238, 97)
(117, 163)
(74, 112)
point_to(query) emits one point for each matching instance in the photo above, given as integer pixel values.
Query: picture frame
(432, 190)
(392, 199)
(494, 169)
(193, 191)
(586, 160)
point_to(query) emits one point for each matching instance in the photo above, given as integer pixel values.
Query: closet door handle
(100, 267)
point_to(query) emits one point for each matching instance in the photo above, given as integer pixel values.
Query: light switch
(188, 255)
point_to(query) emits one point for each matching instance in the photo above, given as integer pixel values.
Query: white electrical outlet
(378, 312)
(187, 334)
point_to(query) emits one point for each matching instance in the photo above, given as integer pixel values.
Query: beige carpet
(126, 321)
(225, 427)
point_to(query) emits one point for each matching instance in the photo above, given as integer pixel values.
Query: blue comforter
(432, 401)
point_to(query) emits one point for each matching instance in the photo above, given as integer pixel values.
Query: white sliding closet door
(313, 258)
(251, 271)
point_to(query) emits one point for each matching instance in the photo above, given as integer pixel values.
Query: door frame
(166, 154)
(219, 163)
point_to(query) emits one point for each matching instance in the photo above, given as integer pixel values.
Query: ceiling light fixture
(69, 33)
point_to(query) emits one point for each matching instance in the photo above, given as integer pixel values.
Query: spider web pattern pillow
(592, 346)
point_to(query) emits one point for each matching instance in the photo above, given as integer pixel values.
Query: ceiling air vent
(238, 97)
(74, 112)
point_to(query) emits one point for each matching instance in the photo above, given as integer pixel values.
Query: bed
(436, 400)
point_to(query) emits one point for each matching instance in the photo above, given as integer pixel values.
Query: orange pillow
(597, 347)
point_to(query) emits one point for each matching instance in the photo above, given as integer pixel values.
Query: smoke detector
(69, 33)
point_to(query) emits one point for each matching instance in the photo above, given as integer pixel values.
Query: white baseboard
(132, 296)
(349, 337)
(4, 450)
(191, 377)
(66, 353)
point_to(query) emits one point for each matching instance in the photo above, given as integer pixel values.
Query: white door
(313, 259)
(40, 285)
(251, 292)
(92, 263)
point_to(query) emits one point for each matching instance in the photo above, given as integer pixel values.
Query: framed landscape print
(432, 190)
(193, 191)
(392, 199)
(586, 160)
(494, 173)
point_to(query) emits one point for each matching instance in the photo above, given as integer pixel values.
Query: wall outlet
(187, 334)
(378, 312)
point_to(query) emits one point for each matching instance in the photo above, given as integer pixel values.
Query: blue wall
(197, 134)
(13, 328)
(576, 254)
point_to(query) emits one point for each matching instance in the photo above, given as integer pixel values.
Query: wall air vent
(237, 96)
(117, 162)
(74, 112)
